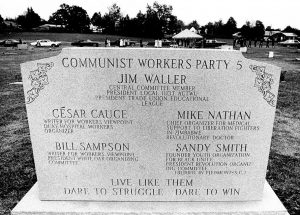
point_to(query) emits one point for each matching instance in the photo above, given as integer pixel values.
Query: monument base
(30, 204)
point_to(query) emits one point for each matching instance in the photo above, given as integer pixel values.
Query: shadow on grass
(283, 176)
(17, 174)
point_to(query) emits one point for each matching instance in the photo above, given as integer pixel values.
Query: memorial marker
(150, 125)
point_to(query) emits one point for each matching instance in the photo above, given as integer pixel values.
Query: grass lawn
(64, 37)
(17, 173)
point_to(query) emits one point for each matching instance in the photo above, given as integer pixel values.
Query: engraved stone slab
(110, 124)
(30, 204)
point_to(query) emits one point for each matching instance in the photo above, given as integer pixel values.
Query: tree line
(157, 22)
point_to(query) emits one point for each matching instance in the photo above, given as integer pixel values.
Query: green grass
(17, 173)
(65, 37)
(283, 176)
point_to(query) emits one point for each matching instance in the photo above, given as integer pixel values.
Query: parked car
(210, 43)
(126, 42)
(174, 44)
(213, 43)
(82, 43)
(45, 43)
(10, 42)
(164, 42)
(293, 43)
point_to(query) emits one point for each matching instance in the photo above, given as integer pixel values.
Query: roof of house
(11, 23)
(237, 35)
(192, 29)
(51, 26)
(187, 34)
(271, 33)
(289, 34)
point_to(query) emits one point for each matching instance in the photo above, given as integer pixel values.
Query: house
(269, 34)
(237, 35)
(187, 38)
(192, 29)
(96, 29)
(11, 25)
(283, 36)
(289, 36)
(49, 27)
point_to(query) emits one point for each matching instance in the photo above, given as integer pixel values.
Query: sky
(274, 13)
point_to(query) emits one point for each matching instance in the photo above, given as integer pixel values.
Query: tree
(259, 30)
(194, 24)
(73, 17)
(174, 25)
(167, 20)
(29, 20)
(269, 28)
(153, 25)
(292, 30)
(246, 30)
(97, 19)
(140, 22)
(288, 29)
(108, 24)
(230, 27)
(256, 32)
(1, 24)
(126, 26)
(61, 16)
(111, 20)
(180, 25)
(208, 30)
(114, 12)
(79, 20)
(219, 29)
(160, 21)
(137, 25)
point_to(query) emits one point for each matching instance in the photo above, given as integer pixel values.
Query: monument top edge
(152, 48)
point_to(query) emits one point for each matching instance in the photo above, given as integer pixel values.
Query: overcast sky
(276, 13)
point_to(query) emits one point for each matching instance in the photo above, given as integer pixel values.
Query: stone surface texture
(30, 204)
(150, 124)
